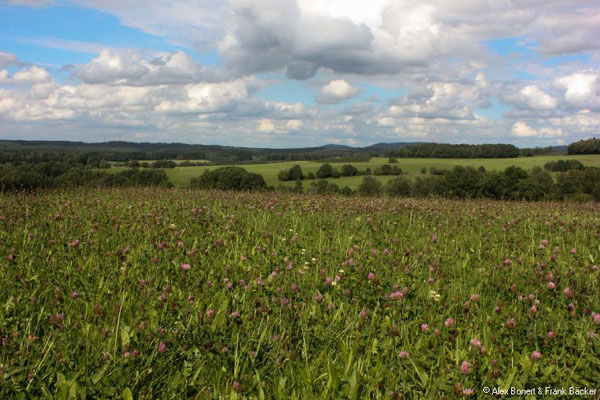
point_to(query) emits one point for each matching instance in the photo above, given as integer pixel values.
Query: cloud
(32, 3)
(206, 98)
(4, 76)
(581, 89)
(131, 68)
(522, 130)
(32, 75)
(294, 124)
(337, 91)
(8, 59)
(449, 100)
(529, 99)
(535, 98)
(265, 125)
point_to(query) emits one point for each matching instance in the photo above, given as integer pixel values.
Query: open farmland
(181, 176)
(157, 293)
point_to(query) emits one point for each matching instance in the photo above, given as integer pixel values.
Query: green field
(190, 294)
(181, 176)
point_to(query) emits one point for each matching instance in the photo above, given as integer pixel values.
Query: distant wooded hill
(40, 151)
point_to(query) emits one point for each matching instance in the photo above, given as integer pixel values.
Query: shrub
(229, 178)
(324, 171)
(370, 187)
(399, 186)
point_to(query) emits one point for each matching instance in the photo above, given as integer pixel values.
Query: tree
(324, 171)
(370, 187)
(283, 175)
(399, 186)
(537, 186)
(295, 173)
(349, 170)
(463, 181)
(229, 178)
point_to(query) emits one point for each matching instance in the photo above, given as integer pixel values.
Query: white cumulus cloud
(337, 91)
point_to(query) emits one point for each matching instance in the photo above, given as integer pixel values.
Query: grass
(181, 176)
(157, 293)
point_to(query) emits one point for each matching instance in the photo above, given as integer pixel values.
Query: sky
(299, 73)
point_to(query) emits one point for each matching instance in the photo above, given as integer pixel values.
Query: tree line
(328, 171)
(443, 150)
(514, 183)
(62, 174)
(590, 146)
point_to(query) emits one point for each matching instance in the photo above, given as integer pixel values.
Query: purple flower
(162, 347)
(449, 322)
(425, 327)
(465, 368)
(318, 298)
(568, 293)
(235, 314)
(185, 267)
(237, 386)
(475, 342)
(403, 354)
(536, 355)
(474, 297)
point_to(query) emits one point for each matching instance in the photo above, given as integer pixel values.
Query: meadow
(171, 293)
(181, 176)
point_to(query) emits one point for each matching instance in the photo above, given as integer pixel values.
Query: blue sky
(305, 72)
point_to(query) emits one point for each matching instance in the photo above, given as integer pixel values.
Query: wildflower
(551, 285)
(449, 322)
(235, 314)
(475, 342)
(533, 309)
(162, 347)
(396, 295)
(474, 297)
(568, 293)
(465, 368)
(371, 276)
(74, 295)
(237, 386)
(403, 354)
(294, 288)
(318, 298)
(511, 323)
(424, 327)
(550, 335)
(536, 355)
(185, 267)
(467, 392)
(573, 251)
(596, 318)
(364, 313)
